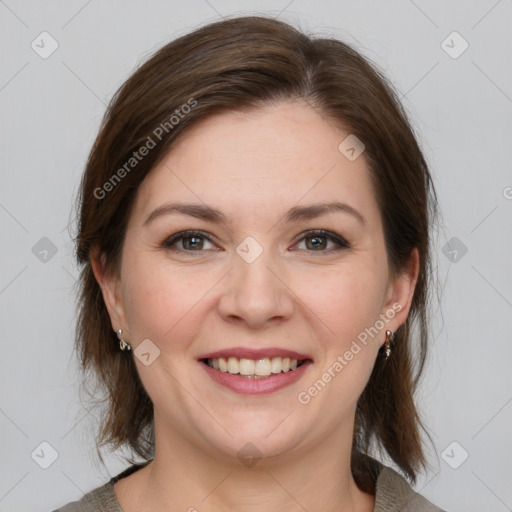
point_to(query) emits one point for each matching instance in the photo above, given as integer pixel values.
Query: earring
(123, 345)
(387, 345)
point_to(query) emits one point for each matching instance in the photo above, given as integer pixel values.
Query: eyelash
(342, 243)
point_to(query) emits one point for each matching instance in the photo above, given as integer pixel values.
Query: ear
(111, 290)
(401, 290)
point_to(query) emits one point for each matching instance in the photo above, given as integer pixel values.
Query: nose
(255, 294)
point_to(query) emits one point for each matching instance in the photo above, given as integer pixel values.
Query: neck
(184, 476)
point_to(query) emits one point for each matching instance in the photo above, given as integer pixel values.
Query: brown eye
(318, 241)
(187, 241)
(192, 242)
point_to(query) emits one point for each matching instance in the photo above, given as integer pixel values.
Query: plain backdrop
(450, 61)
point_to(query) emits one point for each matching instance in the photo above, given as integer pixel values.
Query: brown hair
(236, 64)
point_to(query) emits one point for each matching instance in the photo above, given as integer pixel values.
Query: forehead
(254, 162)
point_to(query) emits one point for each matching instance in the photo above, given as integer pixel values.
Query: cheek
(347, 300)
(348, 303)
(159, 298)
(349, 354)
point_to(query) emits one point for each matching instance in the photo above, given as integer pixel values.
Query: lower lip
(256, 386)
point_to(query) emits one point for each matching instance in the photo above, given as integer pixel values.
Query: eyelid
(171, 240)
(338, 239)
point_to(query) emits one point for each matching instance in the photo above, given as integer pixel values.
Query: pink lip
(256, 386)
(253, 353)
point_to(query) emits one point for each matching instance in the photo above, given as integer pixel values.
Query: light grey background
(51, 109)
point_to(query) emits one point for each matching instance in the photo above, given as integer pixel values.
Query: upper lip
(255, 353)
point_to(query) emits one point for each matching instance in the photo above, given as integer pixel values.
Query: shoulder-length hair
(242, 64)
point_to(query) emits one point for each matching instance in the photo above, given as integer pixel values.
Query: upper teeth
(263, 367)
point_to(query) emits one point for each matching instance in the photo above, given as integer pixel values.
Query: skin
(254, 167)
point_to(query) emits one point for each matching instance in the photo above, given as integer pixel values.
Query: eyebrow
(295, 214)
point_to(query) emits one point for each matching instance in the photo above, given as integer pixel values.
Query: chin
(255, 438)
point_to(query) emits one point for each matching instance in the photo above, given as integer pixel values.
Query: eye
(318, 240)
(188, 241)
(197, 241)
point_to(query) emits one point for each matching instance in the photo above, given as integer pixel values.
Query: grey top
(392, 494)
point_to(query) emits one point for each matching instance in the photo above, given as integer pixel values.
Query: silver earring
(123, 345)
(387, 345)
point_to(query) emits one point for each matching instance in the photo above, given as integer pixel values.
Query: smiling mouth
(264, 368)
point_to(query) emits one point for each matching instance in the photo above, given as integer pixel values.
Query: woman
(254, 235)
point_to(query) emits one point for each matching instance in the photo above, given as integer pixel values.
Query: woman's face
(260, 283)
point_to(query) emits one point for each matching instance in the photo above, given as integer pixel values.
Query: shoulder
(394, 494)
(101, 499)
